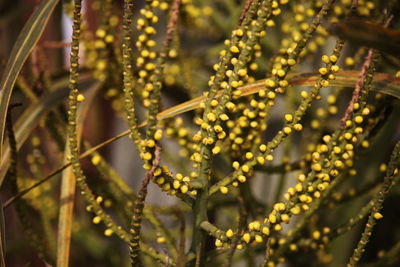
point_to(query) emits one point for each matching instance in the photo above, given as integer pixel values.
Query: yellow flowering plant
(241, 133)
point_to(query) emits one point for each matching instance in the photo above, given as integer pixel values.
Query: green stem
(392, 177)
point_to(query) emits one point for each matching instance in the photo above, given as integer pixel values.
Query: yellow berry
(176, 184)
(96, 159)
(366, 111)
(80, 98)
(108, 232)
(378, 216)
(316, 235)
(235, 165)
(245, 168)
(271, 95)
(288, 117)
(96, 220)
(316, 167)
(246, 237)
(242, 72)
(242, 178)
(184, 189)
(263, 148)
(298, 187)
(287, 130)
(265, 231)
(281, 73)
(324, 83)
(161, 240)
(323, 71)
(349, 61)
(272, 218)
(229, 233)
(295, 210)
(333, 58)
(298, 127)
(285, 218)
(269, 83)
(325, 59)
(358, 119)
(234, 49)
(239, 32)
(224, 190)
(211, 116)
(334, 68)
(158, 134)
(216, 150)
(304, 94)
(224, 117)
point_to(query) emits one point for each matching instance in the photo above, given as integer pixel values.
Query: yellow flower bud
(246, 237)
(224, 190)
(378, 216)
(229, 233)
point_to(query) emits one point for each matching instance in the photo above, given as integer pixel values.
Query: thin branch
(392, 177)
(245, 10)
(134, 246)
(357, 88)
(361, 81)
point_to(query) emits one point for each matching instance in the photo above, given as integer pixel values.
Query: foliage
(266, 131)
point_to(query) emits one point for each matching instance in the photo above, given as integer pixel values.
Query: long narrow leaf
(382, 82)
(26, 41)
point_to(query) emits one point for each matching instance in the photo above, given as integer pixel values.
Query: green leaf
(26, 41)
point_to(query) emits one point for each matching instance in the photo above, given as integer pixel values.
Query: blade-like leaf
(26, 41)
(382, 82)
